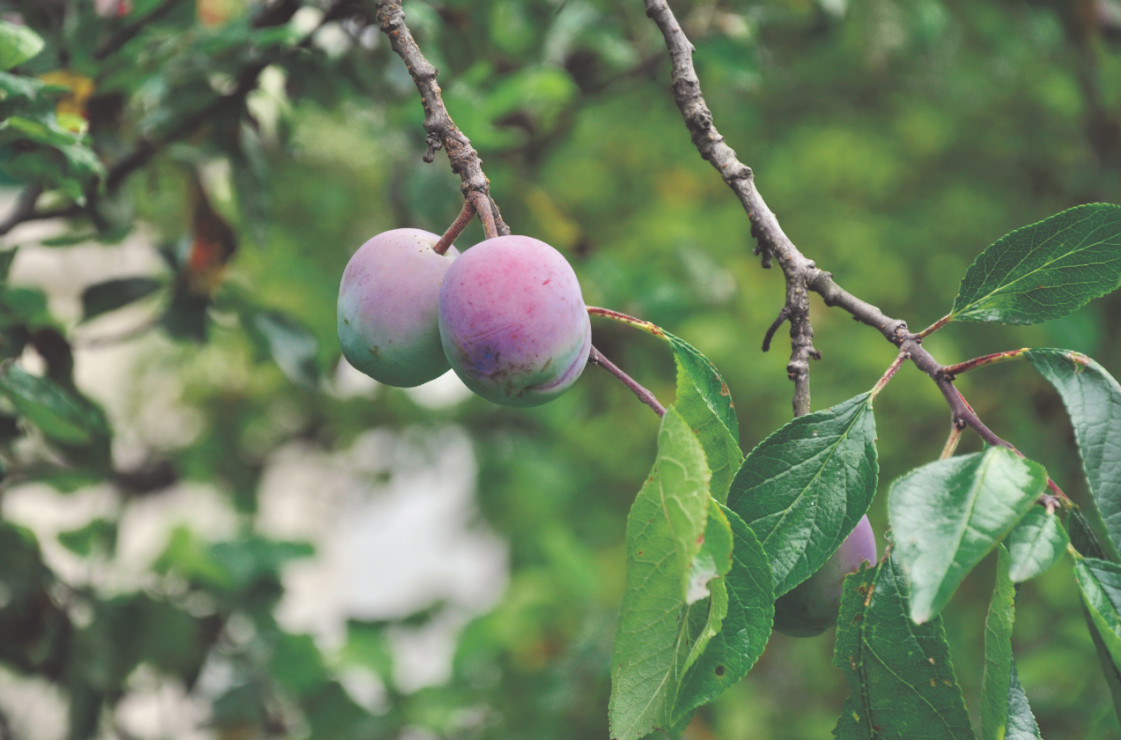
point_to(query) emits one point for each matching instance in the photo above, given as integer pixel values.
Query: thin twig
(442, 131)
(954, 370)
(783, 315)
(597, 358)
(935, 326)
(951, 445)
(465, 215)
(889, 374)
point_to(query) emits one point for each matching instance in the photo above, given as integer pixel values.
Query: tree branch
(442, 131)
(772, 242)
(800, 273)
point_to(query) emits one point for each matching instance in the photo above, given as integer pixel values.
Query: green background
(894, 140)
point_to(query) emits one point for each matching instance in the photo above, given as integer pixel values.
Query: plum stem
(465, 215)
(597, 358)
(486, 214)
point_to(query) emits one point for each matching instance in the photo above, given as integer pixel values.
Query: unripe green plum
(387, 307)
(811, 607)
(513, 321)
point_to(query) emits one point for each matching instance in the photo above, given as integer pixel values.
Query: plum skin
(513, 321)
(811, 607)
(387, 306)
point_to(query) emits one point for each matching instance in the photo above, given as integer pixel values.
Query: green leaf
(367, 645)
(705, 581)
(253, 559)
(1046, 270)
(7, 257)
(664, 530)
(17, 44)
(1036, 543)
(732, 652)
(296, 664)
(61, 415)
(1100, 582)
(899, 674)
(804, 488)
(1110, 670)
(110, 295)
(704, 401)
(1093, 400)
(947, 515)
(695, 370)
(1083, 537)
(1021, 721)
(1001, 705)
(97, 535)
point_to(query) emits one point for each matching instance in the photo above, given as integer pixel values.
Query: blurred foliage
(248, 148)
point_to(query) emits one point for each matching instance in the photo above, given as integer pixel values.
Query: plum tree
(387, 307)
(811, 607)
(513, 322)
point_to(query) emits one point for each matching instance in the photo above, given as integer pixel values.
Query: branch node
(434, 145)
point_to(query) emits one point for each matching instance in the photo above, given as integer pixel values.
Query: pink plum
(811, 607)
(513, 321)
(387, 307)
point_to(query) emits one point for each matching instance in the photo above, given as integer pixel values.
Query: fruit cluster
(507, 315)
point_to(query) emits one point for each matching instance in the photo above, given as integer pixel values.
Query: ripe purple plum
(811, 607)
(387, 307)
(513, 321)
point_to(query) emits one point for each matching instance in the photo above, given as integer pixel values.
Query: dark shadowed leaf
(664, 531)
(99, 535)
(1021, 720)
(1100, 582)
(804, 488)
(947, 515)
(1093, 400)
(1046, 270)
(61, 414)
(1036, 543)
(290, 343)
(7, 257)
(901, 681)
(1083, 537)
(110, 295)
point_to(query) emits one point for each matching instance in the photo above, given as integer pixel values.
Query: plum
(387, 307)
(513, 321)
(811, 607)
